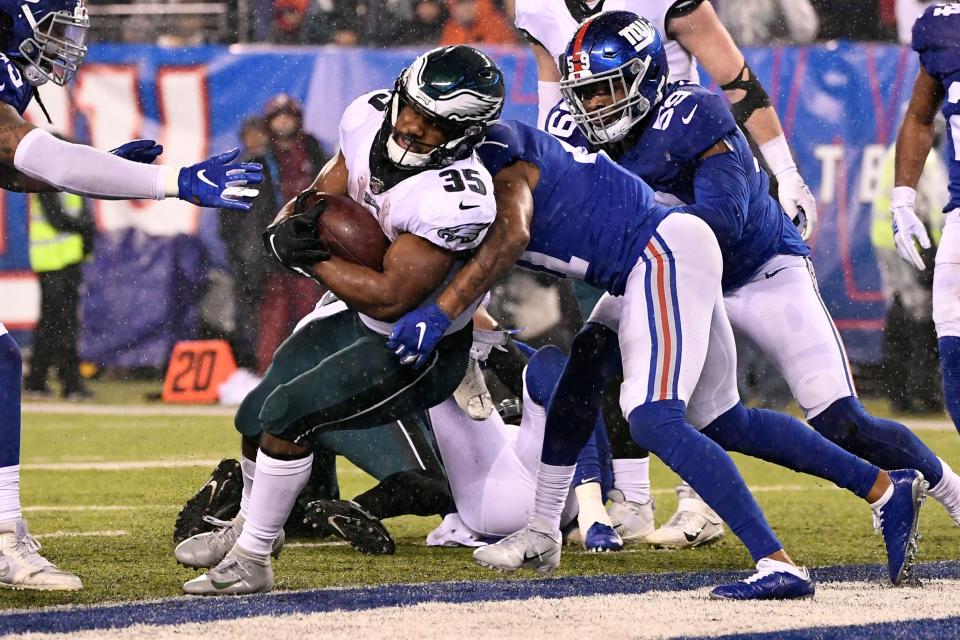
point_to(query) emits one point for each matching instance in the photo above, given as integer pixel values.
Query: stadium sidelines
(851, 602)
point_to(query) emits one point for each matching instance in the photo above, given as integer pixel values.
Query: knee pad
(654, 425)
(543, 372)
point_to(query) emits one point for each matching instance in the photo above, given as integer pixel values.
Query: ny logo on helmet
(639, 33)
(463, 233)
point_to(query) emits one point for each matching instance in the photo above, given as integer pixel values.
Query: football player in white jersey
(407, 156)
(691, 31)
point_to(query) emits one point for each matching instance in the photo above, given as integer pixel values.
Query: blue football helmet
(619, 55)
(47, 38)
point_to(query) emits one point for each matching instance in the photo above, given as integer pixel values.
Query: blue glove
(219, 182)
(144, 151)
(415, 335)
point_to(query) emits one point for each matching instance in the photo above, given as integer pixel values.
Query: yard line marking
(310, 545)
(140, 411)
(98, 507)
(111, 533)
(126, 465)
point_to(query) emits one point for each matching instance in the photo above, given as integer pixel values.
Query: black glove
(293, 241)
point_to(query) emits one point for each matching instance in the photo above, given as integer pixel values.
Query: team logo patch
(464, 233)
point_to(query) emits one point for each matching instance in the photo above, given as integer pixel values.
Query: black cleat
(353, 523)
(219, 498)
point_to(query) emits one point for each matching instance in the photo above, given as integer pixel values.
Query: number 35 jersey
(450, 207)
(936, 37)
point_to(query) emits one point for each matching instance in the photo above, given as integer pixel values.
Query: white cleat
(239, 573)
(523, 549)
(206, 550)
(693, 525)
(22, 566)
(632, 520)
(472, 395)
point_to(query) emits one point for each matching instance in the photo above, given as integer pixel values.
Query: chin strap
(36, 96)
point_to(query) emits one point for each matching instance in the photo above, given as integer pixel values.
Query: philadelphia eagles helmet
(459, 90)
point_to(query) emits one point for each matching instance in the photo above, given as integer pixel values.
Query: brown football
(349, 231)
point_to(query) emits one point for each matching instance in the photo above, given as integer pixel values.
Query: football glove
(907, 227)
(219, 182)
(143, 151)
(293, 242)
(416, 334)
(797, 201)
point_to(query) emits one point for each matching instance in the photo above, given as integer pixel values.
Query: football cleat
(632, 520)
(472, 395)
(601, 538)
(22, 566)
(353, 523)
(898, 520)
(240, 572)
(693, 525)
(219, 498)
(773, 580)
(208, 549)
(523, 549)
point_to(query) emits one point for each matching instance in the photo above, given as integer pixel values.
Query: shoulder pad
(501, 147)
(699, 118)
(561, 125)
(937, 28)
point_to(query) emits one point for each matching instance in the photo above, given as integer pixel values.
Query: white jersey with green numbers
(450, 207)
(553, 22)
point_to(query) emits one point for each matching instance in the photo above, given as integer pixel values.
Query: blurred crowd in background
(382, 23)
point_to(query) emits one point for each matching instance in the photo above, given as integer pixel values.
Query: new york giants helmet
(458, 89)
(47, 38)
(620, 55)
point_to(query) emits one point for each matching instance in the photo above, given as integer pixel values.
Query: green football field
(102, 492)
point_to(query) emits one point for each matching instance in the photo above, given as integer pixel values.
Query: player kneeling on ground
(44, 41)
(409, 153)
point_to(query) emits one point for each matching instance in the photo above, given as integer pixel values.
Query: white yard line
(310, 545)
(133, 410)
(96, 507)
(125, 465)
(110, 533)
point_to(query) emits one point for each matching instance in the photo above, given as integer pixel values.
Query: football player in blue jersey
(689, 149)
(580, 215)
(44, 41)
(936, 37)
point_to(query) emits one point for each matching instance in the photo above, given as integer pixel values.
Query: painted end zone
(843, 589)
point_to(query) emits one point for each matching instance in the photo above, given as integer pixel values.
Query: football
(349, 231)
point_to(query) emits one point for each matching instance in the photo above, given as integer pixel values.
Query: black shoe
(219, 498)
(353, 523)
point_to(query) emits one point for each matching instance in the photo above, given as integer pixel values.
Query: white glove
(797, 201)
(907, 228)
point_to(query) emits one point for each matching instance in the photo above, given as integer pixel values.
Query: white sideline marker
(110, 533)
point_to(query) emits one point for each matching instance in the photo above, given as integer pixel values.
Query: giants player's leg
(782, 312)
(946, 313)
(26, 568)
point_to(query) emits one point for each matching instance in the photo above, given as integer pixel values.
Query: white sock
(247, 468)
(553, 486)
(276, 487)
(591, 509)
(10, 493)
(632, 477)
(884, 499)
(947, 491)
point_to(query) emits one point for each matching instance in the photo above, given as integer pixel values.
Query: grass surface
(818, 524)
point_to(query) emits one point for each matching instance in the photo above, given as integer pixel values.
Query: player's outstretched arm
(83, 170)
(416, 334)
(913, 146)
(701, 33)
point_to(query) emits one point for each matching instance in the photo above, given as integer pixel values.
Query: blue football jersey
(936, 37)
(592, 219)
(665, 153)
(14, 89)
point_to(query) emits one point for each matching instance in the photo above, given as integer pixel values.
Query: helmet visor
(58, 45)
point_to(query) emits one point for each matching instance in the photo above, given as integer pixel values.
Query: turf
(819, 524)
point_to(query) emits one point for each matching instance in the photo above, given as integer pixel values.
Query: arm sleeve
(721, 196)
(87, 171)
